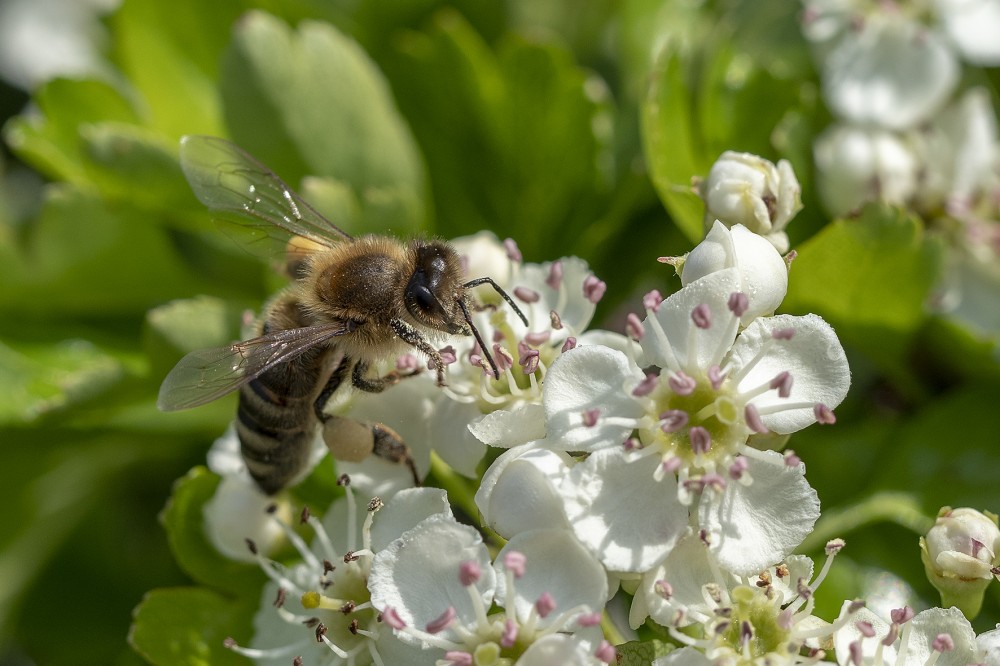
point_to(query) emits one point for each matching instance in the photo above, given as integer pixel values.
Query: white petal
(754, 527)
(418, 573)
(763, 273)
(973, 25)
(450, 437)
(485, 255)
(378, 477)
(610, 339)
(237, 512)
(891, 73)
(928, 624)
(406, 509)
(588, 378)
(394, 651)
(574, 309)
(621, 513)
(849, 633)
(686, 570)
(224, 457)
(673, 341)
(813, 356)
(556, 563)
(556, 649)
(510, 427)
(519, 491)
(989, 645)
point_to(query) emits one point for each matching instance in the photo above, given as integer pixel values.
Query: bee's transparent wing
(227, 179)
(207, 374)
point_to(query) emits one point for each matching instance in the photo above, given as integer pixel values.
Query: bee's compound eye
(424, 298)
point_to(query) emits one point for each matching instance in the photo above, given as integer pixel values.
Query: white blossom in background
(435, 586)
(662, 441)
(939, 636)
(972, 26)
(721, 618)
(319, 610)
(856, 165)
(742, 188)
(890, 72)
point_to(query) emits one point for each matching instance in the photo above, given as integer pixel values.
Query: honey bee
(353, 303)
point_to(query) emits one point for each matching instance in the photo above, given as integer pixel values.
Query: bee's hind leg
(353, 441)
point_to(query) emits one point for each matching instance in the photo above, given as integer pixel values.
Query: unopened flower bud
(742, 188)
(958, 554)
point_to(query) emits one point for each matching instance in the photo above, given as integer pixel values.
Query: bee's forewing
(229, 180)
(207, 374)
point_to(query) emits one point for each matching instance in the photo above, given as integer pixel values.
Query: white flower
(763, 273)
(891, 72)
(727, 619)
(238, 509)
(857, 164)
(742, 188)
(973, 26)
(658, 440)
(435, 586)
(320, 610)
(938, 636)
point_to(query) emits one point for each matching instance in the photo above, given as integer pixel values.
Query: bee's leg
(332, 384)
(413, 337)
(375, 384)
(353, 441)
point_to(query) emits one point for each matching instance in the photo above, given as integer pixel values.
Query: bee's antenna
(499, 290)
(479, 338)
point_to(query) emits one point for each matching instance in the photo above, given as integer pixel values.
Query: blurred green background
(573, 127)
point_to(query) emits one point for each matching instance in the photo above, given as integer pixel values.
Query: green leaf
(668, 133)
(870, 277)
(130, 163)
(185, 325)
(642, 653)
(518, 141)
(185, 524)
(170, 54)
(39, 379)
(322, 108)
(83, 256)
(49, 139)
(187, 626)
(954, 438)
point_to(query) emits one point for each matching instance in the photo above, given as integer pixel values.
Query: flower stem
(898, 508)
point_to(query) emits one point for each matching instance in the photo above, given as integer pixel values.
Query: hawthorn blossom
(939, 636)
(722, 618)
(660, 438)
(960, 556)
(319, 610)
(435, 585)
(742, 188)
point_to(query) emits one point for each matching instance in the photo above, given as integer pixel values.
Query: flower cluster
(648, 467)
(904, 135)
